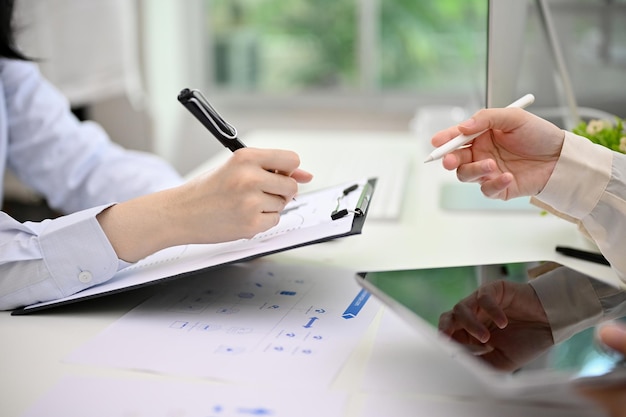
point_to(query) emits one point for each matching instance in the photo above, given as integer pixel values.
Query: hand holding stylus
(462, 140)
(513, 152)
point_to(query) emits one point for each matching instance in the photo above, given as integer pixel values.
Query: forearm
(195, 212)
(144, 225)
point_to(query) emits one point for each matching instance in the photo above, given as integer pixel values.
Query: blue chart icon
(356, 305)
(310, 323)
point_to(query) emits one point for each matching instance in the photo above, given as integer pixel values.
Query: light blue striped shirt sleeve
(589, 185)
(80, 171)
(53, 258)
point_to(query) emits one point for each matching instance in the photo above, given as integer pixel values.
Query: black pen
(584, 255)
(199, 106)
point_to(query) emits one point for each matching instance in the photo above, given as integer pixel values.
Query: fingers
(276, 160)
(468, 127)
(614, 336)
(272, 203)
(447, 323)
(463, 317)
(503, 119)
(470, 323)
(273, 160)
(457, 158)
(282, 167)
(494, 183)
(488, 301)
(497, 187)
(301, 176)
(279, 185)
(474, 314)
(444, 136)
(472, 172)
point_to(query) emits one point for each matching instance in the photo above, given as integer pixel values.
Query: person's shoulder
(15, 69)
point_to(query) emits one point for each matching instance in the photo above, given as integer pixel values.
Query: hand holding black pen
(223, 131)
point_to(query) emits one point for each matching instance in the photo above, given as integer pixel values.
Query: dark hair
(8, 49)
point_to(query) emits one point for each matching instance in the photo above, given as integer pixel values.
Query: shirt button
(85, 277)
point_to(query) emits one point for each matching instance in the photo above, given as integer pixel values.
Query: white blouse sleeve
(589, 185)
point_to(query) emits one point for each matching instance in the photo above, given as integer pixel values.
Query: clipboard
(315, 217)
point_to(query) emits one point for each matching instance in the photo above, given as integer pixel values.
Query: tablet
(420, 296)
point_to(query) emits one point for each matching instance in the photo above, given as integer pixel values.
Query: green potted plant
(605, 133)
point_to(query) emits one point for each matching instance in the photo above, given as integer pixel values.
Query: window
(347, 47)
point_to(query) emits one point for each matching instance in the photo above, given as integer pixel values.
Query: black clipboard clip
(361, 206)
(200, 107)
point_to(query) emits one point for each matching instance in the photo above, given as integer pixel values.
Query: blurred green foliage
(314, 43)
(605, 133)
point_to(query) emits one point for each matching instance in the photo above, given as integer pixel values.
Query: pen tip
(429, 159)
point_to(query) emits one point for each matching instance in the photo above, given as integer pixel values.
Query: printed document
(262, 321)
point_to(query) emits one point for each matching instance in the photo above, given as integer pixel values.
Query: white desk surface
(33, 347)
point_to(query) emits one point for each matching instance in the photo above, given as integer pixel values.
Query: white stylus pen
(461, 140)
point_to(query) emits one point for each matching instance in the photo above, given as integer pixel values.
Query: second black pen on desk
(584, 255)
